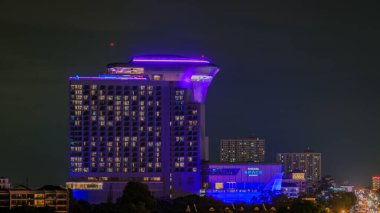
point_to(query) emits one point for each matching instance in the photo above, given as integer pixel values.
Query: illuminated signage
(201, 78)
(219, 185)
(85, 185)
(223, 171)
(298, 176)
(157, 77)
(126, 70)
(253, 172)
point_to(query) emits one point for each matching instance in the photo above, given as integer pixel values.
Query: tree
(136, 198)
(104, 208)
(78, 206)
(301, 206)
(165, 206)
(201, 204)
(282, 202)
(342, 200)
(31, 209)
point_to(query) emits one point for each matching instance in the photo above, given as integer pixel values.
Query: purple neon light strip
(171, 60)
(104, 78)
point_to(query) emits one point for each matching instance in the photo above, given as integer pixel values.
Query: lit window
(156, 77)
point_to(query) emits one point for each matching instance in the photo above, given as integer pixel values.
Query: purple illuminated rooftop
(167, 68)
(164, 61)
(168, 59)
(188, 71)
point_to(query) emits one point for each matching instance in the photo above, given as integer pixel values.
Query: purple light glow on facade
(109, 78)
(200, 91)
(169, 60)
(140, 121)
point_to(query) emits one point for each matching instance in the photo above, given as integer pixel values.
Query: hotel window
(156, 77)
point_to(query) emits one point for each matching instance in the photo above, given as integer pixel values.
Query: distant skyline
(297, 74)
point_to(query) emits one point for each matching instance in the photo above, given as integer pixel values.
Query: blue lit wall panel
(80, 194)
(257, 173)
(248, 183)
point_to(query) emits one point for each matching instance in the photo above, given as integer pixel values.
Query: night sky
(299, 74)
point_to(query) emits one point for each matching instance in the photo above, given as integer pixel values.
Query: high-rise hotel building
(251, 149)
(376, 182)
(140, 121)
(308, 162)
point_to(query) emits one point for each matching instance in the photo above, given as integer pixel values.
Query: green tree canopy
(342, 200)
(136, 198)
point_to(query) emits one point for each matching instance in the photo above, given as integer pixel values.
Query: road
(368, 202)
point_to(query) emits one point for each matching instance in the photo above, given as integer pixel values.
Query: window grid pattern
(185, 147)
(115, 128)
(242, 150)
(309, 163)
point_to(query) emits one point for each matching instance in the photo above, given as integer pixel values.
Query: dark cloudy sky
(298, 73)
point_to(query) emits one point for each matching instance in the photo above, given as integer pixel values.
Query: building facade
(291, 190)
(55, 197)
(242, 182)
(4, 183)
(307, 162)
(140, 121)
(297, 179)
(376, 182)
(242, 150)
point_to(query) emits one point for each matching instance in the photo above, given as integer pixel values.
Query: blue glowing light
(253, 172)
(248, 183)
(223, 171)
(80, 194)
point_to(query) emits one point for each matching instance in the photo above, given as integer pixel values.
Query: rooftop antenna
(27, 182)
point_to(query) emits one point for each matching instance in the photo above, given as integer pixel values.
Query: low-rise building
(348, 188)
(376, 182)
(4, 183)
(290, 189)
(4, 198)
(298, 179)
(55, 197)
(309, 197)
